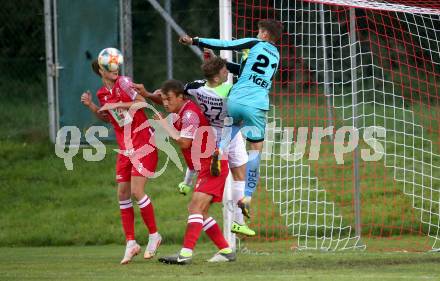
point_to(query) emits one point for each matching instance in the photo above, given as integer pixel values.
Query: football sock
(213, 231)
(127, 218)
(252, 172)
(147, 213)
(131, 243)
(237, 194)
(189, 176)
(193, 229)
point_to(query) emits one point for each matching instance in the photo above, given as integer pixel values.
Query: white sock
(237, 194)
(131, 243)
(189, 176)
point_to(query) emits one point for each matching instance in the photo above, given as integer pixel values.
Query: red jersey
(117, 116)
(190, 119)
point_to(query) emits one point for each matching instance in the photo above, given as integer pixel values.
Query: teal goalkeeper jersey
(259, 64)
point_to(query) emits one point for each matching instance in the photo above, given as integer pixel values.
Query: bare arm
(86, 100)
(124, 105)
(154, 97)
(182, 142)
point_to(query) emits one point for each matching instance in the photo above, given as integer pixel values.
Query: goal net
(371, 65)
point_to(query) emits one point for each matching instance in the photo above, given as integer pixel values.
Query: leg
(126, 208)
(238, 185)
(253, 167)
(230, 130)
(199, 204)
(254, 131)
(208, 189)
(144, 202)
(147, 213)
(123, 167)
(237, 157)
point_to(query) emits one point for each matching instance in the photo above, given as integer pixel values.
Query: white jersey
(212, 101)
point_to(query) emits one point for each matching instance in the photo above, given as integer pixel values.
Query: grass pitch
(102, 263)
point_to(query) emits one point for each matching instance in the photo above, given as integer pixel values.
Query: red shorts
(126, 167)
(209, 184)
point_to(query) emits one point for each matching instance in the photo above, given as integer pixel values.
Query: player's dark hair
(95, 67)
(174, 86)
(212, 67)
(274, 27)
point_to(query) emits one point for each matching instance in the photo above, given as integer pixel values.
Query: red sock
(193, 229)
(212, 229)
(147, 213)
(127, 218)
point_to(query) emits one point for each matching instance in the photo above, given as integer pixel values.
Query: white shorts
(237, 154)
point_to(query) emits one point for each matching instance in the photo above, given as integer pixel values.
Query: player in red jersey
(196, 138)
(137, 159)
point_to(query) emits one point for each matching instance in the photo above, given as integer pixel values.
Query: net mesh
(384, 75)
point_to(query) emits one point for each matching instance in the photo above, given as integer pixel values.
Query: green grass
(386, 210)
(42, 203)
(102, 263)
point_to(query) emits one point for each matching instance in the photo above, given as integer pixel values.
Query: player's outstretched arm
(218, 44)
(182, 142)
(123, 105)
(233, 67)
(185, 40)
(154, 97)
(86, 100)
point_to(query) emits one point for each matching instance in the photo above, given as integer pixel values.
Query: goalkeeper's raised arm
(218, 44)
(270, 33)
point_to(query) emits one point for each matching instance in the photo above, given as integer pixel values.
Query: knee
(258, 146)
(194, 208)
(124, 194)
(138, 194)
(239, 173)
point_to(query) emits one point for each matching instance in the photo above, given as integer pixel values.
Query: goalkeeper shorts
(253, 120)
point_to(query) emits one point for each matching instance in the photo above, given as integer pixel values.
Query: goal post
(225, 21)
(362, 72)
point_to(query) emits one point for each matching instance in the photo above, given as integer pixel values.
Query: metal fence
(23, 99)
(22, 55)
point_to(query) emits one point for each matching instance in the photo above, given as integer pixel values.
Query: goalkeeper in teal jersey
(248, 100)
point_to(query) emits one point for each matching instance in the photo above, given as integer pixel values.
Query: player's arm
(233, 68)
(137, 99)
(154, 97)
(182, 141)
(218, 44)
(86, 99)
(190, 87)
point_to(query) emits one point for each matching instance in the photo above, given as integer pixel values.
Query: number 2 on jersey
(260, 65)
